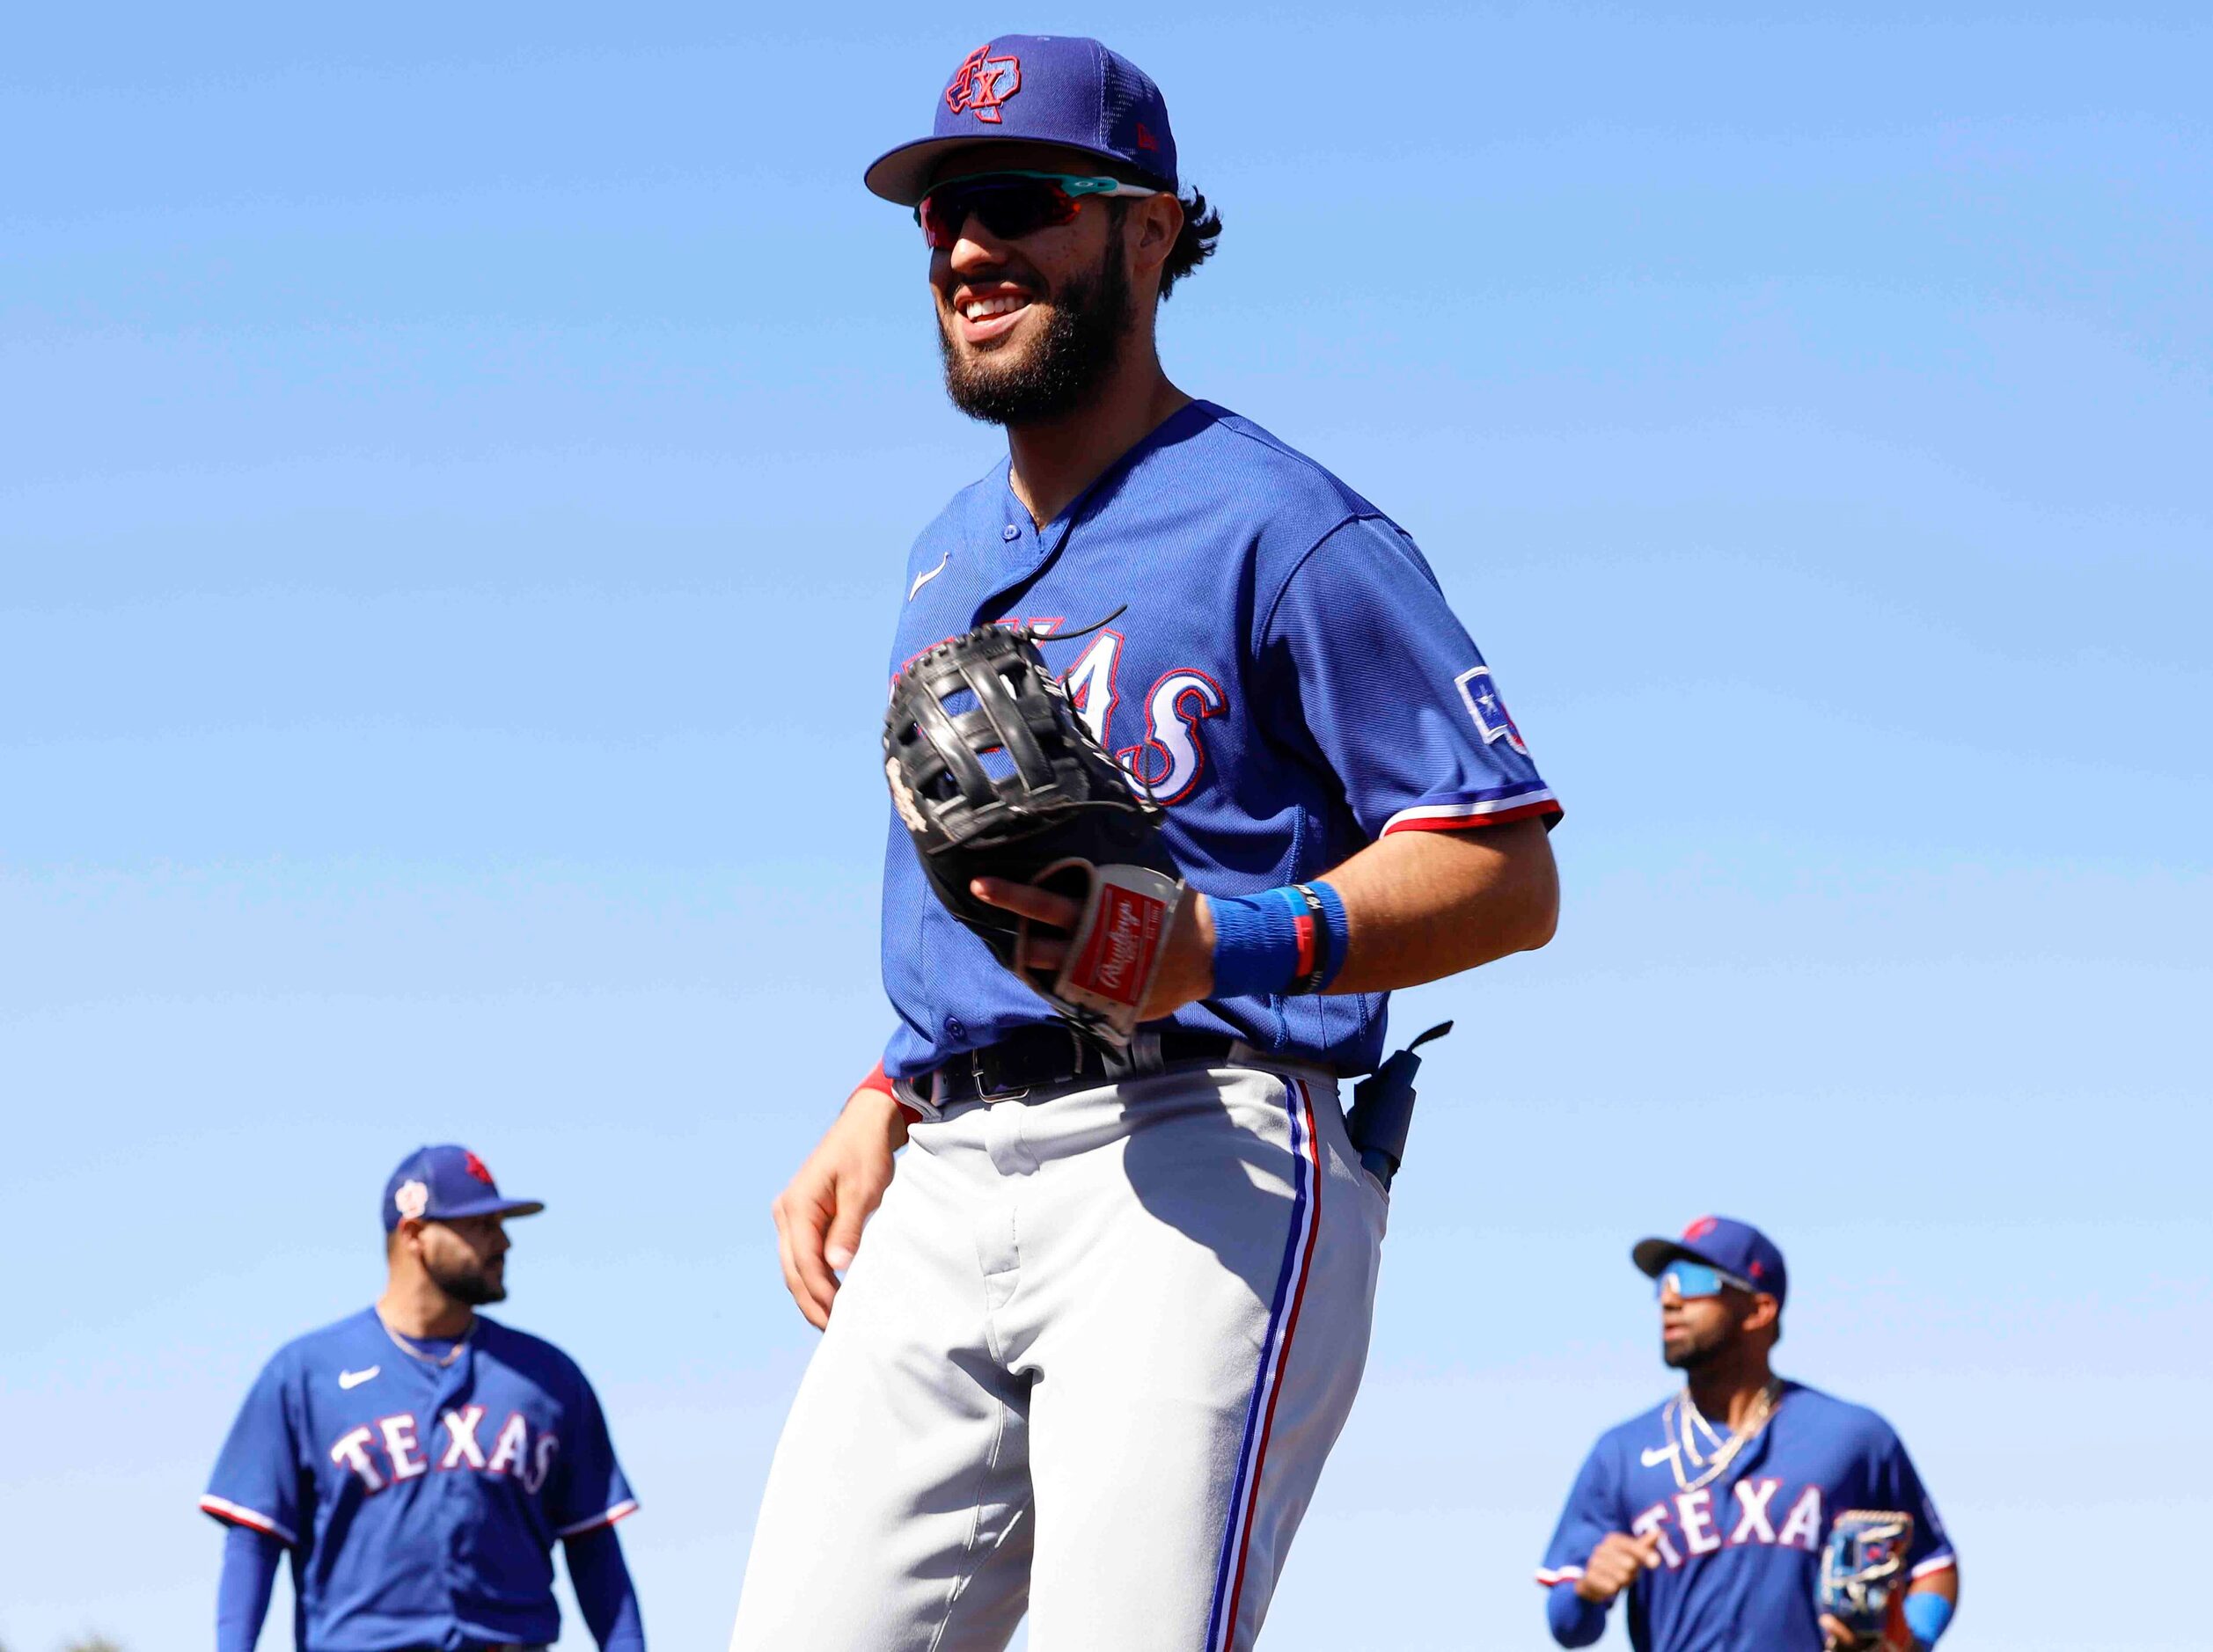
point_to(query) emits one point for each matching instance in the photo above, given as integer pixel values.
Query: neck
(1727, 1393)
(416, 1305)
(1056, 460)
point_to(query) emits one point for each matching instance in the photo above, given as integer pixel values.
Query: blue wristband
(1284, 940)
(1928, 1614)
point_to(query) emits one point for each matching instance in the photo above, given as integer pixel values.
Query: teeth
(980, 308)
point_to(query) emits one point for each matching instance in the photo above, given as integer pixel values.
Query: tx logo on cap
(1700, 1228)
(475, 1167)
(983, 83)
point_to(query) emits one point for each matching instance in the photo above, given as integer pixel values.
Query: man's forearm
(1421, 905)
(1573, 1621)
(1929, 1604)
(1943, 1580)
(250, 1559)
(603, 1591)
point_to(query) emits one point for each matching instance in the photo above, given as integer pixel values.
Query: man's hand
(1838, 1636)
(819, 1215)
(1187, 960)
(1419, 906)
(1613, 1565)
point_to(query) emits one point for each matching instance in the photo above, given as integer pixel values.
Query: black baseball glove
(995, 776)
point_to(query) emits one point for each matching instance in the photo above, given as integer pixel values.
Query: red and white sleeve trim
(1451, 817)
(1550, 1575)
(622, 1510)
(1934, 1564)
(239, 1515)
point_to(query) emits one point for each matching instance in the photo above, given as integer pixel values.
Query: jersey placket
(1022, 554)
(457, 1495)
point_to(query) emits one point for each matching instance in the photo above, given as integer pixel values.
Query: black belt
(1042, 1057)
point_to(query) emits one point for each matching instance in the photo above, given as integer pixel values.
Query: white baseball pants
(1086, 1365)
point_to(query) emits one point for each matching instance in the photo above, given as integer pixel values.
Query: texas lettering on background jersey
(1283, 673)
(448, 1483)
(390, 1452)
(1739, 1536)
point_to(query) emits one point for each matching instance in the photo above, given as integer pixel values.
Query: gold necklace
(440, 1361)
(1682, 1417)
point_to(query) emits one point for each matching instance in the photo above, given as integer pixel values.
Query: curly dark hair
(1194, 242)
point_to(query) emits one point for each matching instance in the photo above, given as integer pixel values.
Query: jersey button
(955, 1029)
(1010, 533)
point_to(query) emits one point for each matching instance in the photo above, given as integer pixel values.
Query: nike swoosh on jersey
(924, 578)
(355, 1378)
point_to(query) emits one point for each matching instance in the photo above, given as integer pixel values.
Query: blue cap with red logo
(1737, 1248)
(1060, 88)
(439, 1182)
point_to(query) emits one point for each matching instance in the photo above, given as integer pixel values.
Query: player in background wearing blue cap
(1111, 1312)
(418, 1461)
(1711, 1510)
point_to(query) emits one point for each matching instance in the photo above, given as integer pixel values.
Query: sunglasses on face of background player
(1011, 205)
(1692, 1280)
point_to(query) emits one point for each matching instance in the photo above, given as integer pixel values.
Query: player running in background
(1112, 1312)
(418, 1461)
(1711, 1509)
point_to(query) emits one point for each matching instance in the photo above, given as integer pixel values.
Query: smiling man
(418, 1461)
(1712, 1512)
(1113, 1308)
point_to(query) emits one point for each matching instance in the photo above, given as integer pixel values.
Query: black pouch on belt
(1383, 1109)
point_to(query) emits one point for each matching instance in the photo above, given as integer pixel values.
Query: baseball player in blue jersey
(1113, 1308)
(1712, 1510)
(417, 1461)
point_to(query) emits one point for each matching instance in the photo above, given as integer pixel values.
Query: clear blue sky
(454, 468)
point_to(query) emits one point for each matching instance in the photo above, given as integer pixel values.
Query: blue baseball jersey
(1740, 1551)
(1286, 676)
(421, 1502)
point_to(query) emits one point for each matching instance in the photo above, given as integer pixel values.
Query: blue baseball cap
(1058, 89)
(1719, 1241)
(439, 1182)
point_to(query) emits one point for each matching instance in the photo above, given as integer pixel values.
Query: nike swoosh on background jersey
(924, 578)
(355, 1378)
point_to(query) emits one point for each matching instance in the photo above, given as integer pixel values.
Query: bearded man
(1712, 1513)
(416, 1462)
(1113, 1303)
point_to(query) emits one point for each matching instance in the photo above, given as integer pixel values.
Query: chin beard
(1690, 1356)
(1063, 368)
(472, 1287)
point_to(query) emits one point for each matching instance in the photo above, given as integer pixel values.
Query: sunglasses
(1692, 1280)
(1011, 205)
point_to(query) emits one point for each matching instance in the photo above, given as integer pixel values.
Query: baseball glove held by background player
(1862, 1577)
(995, 775)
